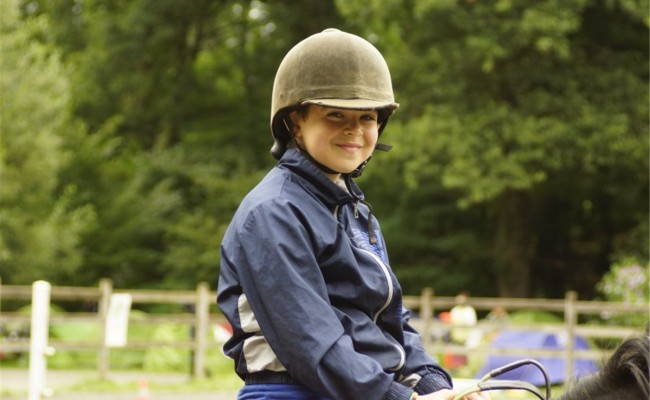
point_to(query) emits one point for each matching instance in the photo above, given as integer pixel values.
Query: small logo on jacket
(362, 240)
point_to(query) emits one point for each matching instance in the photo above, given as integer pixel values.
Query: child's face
(340, 139)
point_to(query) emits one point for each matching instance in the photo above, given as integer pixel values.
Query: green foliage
(527, 92)
(501, 104)
(530, 317)
(40, 228)
(167, 358)
(132, 129)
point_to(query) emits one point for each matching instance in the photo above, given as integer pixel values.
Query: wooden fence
(427, 306)
(570, 308)
(199, 321)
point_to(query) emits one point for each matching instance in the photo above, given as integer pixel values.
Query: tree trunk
(513, 244)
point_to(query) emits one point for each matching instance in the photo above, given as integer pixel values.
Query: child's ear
(295, 121)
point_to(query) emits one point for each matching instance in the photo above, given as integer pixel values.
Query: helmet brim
(352, 104)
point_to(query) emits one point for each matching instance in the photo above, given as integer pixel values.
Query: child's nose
(354, 127)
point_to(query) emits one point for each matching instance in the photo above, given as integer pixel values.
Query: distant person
(305, 280)
(463, 318)
(496, 320)
(498, 315)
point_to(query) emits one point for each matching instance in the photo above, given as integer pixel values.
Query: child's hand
(477, 396)
(444, 394)
(447, 394)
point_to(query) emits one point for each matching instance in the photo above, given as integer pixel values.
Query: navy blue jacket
(308, 294)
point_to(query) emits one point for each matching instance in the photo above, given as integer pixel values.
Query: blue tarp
(535, 340)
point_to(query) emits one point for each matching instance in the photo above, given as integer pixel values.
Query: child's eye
(335, 114)
(369, 117)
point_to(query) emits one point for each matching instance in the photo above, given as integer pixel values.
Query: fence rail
(427, 305)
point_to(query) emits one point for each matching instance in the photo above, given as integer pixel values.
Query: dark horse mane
(625, 376)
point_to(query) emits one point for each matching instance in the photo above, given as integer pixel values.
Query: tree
(134, 60)
(176, 98)
(40, 230)
(503, 103)
(518, 143)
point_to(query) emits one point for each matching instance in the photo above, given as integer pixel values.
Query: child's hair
(625, 376)
(303, 110)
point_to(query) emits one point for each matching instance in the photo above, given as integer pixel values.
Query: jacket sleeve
(275, 259)
(432, 376)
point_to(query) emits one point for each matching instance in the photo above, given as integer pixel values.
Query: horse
(625, 376)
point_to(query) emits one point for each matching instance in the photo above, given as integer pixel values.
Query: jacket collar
(316, 181)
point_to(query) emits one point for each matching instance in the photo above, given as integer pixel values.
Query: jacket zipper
(389, 298)
(384, 269)
(386, 304)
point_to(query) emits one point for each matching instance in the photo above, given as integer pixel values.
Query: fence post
(426, 314)
(38, 343)
(103, 359)
(570, 320)
(202, 324)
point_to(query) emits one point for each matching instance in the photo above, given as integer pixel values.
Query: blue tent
(535, 340)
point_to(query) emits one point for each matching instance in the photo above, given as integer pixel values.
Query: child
(305, 280)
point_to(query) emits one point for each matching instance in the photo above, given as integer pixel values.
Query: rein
(484, 384)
